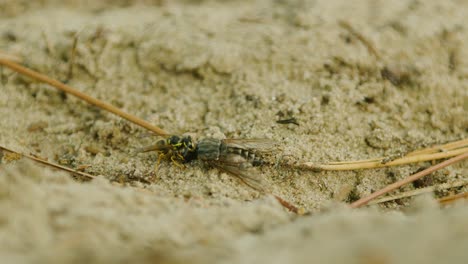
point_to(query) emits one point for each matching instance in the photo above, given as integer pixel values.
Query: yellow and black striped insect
(177, 149)
(234, 156)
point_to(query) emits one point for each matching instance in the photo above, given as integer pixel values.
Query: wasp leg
(175, 159)
(161, 156)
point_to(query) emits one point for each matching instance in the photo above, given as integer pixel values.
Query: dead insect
(292, 120)
(234, 156)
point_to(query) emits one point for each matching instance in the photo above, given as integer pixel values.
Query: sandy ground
(231, 69)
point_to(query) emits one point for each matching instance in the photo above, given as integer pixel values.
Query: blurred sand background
(231, 69)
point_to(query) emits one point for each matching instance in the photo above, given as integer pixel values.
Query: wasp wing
(260, 144)
(241, 168)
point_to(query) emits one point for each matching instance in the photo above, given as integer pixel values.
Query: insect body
(234, 156)
(178, 149)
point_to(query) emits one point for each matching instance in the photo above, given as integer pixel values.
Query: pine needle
(398, 184)
(441, 148)
(453, 198)
(45, 162)
(379, 163)
(367, 43)
(70, 90)
(420, 191)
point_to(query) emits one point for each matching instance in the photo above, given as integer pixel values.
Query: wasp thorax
(188, 149)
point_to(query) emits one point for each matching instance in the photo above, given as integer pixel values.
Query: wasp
(237, 157)
(178, 149)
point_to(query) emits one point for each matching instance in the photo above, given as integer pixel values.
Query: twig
(82, 96)
(370, 47)
(453, 198)
(378, 163)
(83, 174)
(419, 191)
(398, 184)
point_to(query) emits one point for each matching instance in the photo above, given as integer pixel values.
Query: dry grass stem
(453, 198)
(45, 162)
(67, 89)
(435, 149)
(420, 191)
(441, 148)
(398, 184)
(367, 43)
(289, 206)
(72, 57)
(379, 163)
